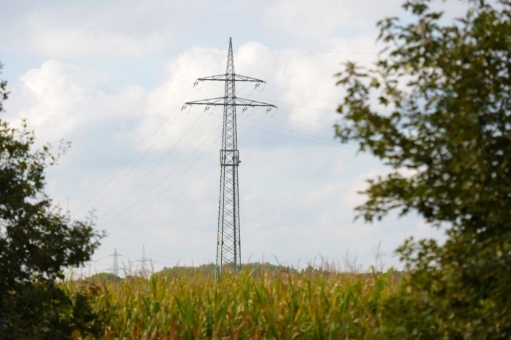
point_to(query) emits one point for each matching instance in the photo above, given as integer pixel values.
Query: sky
(111, 78)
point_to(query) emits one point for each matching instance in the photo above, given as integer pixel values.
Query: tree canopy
(37, 241)
(437, 104)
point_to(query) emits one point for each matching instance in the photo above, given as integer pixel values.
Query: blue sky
(106, 76)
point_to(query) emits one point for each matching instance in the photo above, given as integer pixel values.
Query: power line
(304, 94)
(143, 155)
(304, 140)
(229, 95)
(298, 115)
(150, 135)
(154, 167)
(159, 183)
(308, 95)
(251, 127)
(329, 129)
(316, 97)
(295, 105)
(173, 172)
(301, 106)
(161, 193)
(165, 208)
(300, 133)
(203, 175)
(320, 51)
(182, 193)
(289, 130)
(316, 127)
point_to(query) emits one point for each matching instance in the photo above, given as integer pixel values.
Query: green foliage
(208, 270)
(41, 310)
(180, 271)
(447, 88)
(3, 92)
(36, 242)
(103, 277)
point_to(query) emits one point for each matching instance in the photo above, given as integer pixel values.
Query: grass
(262, 304)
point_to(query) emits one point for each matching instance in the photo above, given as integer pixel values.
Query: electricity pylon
(228, 251)
(115, 265)
(143, 264)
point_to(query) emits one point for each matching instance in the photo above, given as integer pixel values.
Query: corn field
(285, 304)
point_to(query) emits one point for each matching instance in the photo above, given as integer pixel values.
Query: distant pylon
(144, 270)
(115, 265)
(143, 261)
(228, 251)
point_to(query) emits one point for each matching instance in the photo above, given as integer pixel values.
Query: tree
(447, 90)
(37, 240)
(101, 278)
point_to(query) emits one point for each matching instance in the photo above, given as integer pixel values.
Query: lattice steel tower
(115, 265)
(228, 251)
(144, 270)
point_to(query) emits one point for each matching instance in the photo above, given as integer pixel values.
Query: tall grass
(286, 304)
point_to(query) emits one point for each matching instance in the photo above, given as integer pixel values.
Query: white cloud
(56, 41)
(122, 29)
(291, 192)
(296, 196)
(312, 19)
(306, 18)
(59, 99)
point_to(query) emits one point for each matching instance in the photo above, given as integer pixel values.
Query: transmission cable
(168, 187)
(304, 94)
(320, 51)
(300, 133)
(180, 195)
(172, 171)
(154, 167)
(300, 121)
(150, 135)
(143, 155)
(292, 131)
(159, 183)
(329, 129)
(305, 140)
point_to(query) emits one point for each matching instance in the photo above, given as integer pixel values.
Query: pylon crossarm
(220, 101)
(229, 77)
(211, 101)
(252, 103)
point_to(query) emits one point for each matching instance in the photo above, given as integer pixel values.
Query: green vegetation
(276, 304)
(447, 90)
(37, 240)
(208, 270)
(102, 277)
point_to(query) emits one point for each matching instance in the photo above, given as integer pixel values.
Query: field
(257, 304)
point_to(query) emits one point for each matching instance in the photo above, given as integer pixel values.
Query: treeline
(253, 269)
